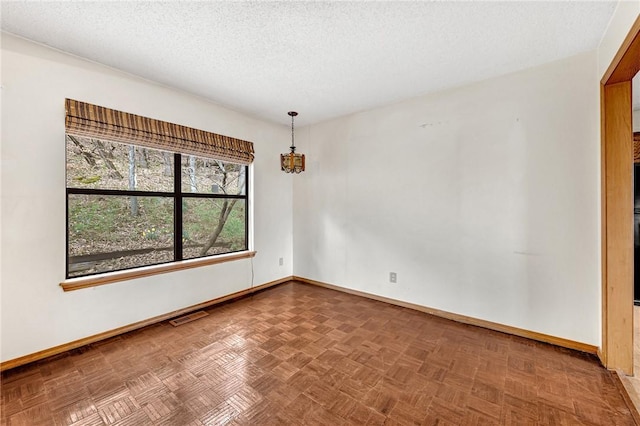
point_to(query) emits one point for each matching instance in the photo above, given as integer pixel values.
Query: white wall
(484, 199)
(36, 313)
(626, 13)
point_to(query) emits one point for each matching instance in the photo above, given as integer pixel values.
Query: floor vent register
(188, 318)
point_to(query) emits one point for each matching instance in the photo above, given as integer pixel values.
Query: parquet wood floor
(298, 354)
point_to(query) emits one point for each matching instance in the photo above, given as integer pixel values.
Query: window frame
(178, 262)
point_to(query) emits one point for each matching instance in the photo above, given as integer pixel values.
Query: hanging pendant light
(292, 162)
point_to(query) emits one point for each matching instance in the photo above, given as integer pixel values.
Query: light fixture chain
(293, 145)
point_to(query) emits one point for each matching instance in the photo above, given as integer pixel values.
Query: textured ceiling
(323, 59)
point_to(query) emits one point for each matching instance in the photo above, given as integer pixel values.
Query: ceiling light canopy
(292, 162)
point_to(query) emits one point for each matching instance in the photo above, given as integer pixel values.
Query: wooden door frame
(616, 351)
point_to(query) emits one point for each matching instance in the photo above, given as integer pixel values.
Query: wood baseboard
(600, 355)
(16, 362)
(558, 341)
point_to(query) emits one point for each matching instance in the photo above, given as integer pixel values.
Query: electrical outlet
(281, 261)
(393, 277)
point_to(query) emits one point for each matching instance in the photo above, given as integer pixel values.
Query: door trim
(617, 205)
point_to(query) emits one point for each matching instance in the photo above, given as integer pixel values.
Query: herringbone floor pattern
(297, 354)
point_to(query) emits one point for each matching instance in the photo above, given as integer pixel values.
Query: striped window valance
(84, 119)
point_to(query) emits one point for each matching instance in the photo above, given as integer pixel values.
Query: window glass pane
(109, 233)
(95, 163)
(207, 176)
(213, 226)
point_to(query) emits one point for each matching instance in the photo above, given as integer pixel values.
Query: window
(130, 204)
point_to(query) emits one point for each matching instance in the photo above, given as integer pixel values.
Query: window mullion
(246, 207)
(177, 206)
